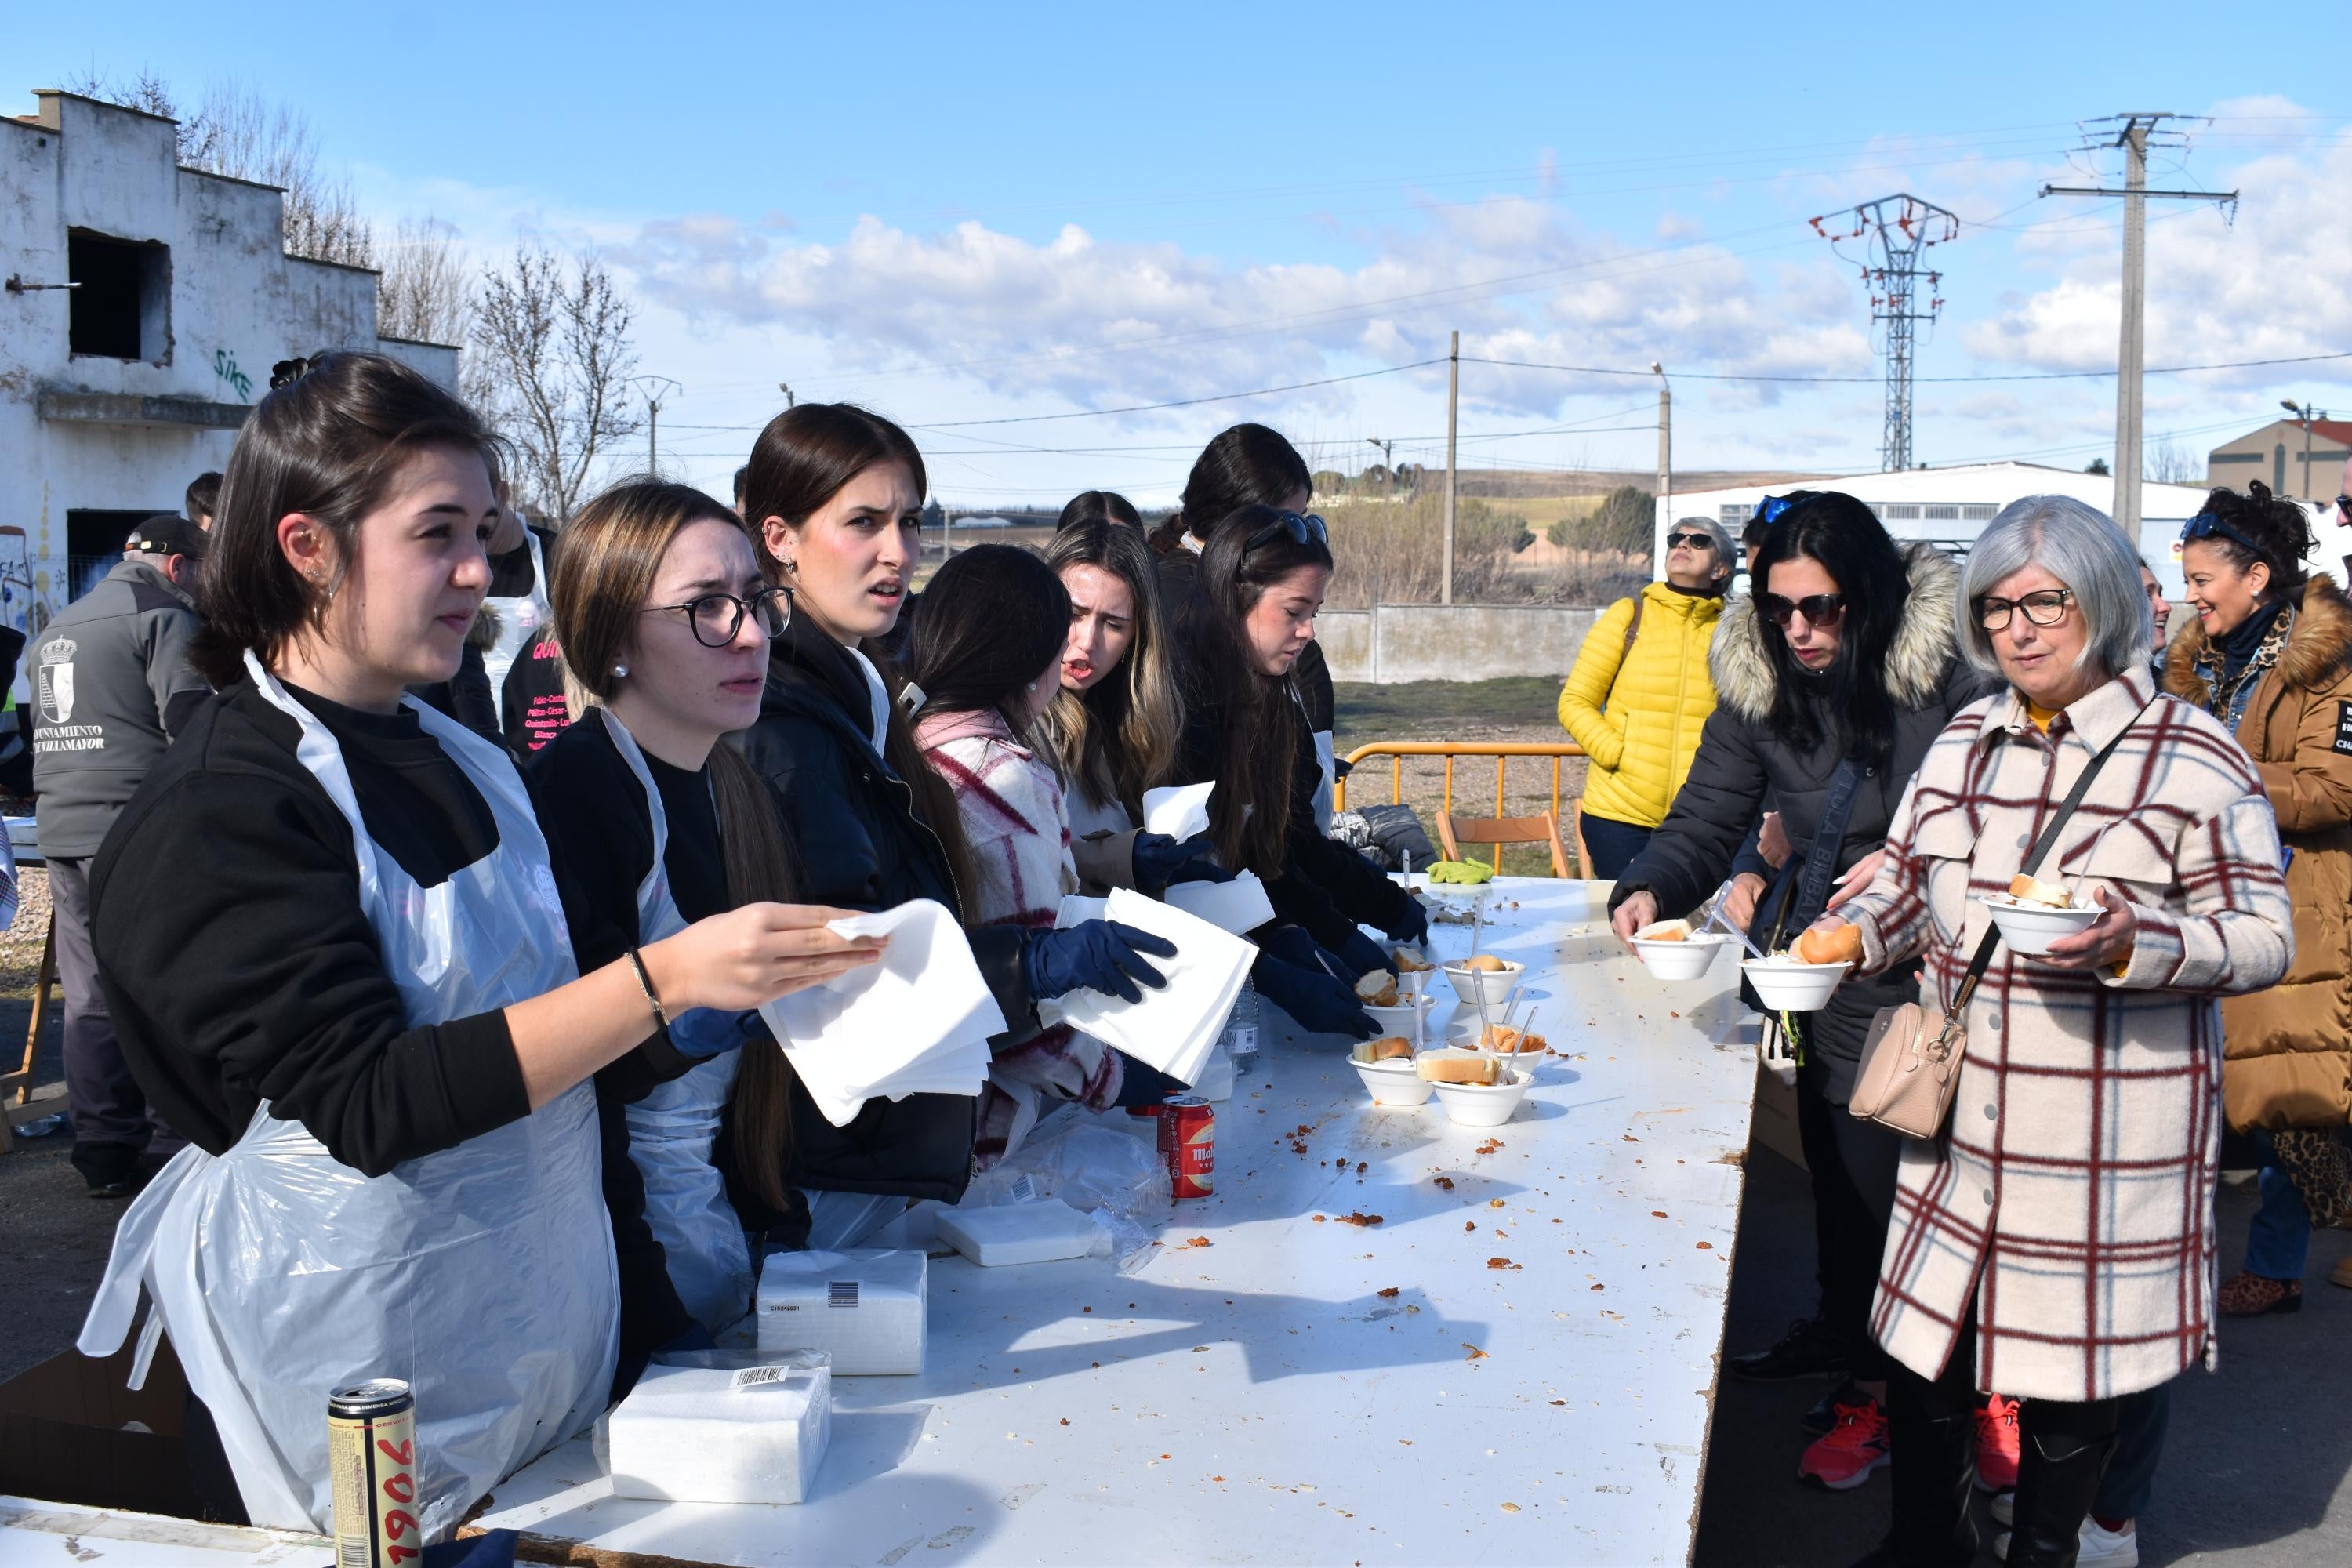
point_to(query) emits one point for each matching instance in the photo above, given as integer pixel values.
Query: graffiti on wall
(225, 367)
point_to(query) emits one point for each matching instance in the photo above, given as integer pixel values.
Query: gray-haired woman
(2055, 1241)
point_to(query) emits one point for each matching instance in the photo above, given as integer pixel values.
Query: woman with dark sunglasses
(1832, 679)
(2269, 654)
(1641, 691)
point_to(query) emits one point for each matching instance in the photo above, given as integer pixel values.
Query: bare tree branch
(425, 292)
(550, 355)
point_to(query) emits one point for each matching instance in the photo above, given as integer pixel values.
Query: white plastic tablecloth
(1517, 1368)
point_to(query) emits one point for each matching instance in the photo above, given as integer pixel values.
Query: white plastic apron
(672, 1129)
(483, 1274)
(521, 617)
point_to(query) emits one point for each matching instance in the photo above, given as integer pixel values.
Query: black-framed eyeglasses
(2044, 608)
(716, 618)
(1299, 526)
(2205, 525)
(1823, 610)
(1696, 541)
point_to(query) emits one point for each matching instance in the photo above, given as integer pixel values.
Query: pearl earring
(620, 672)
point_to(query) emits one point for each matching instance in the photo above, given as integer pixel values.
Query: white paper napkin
(1175, 1028)
(1180, 811)
(1238, 906)
(917, 1022)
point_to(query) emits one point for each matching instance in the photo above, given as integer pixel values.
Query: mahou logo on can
(1188, 1141)
(372, 1454)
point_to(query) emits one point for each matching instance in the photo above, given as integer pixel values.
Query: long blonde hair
(611, 554)
(1121, 738)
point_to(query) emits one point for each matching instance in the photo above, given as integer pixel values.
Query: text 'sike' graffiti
(225, 367)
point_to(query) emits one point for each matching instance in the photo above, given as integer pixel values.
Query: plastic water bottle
(1240, 1036)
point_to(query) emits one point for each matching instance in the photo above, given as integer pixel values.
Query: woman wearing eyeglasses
(661, 608)
(1641, 693)
(1832, 679)
(2269, 654)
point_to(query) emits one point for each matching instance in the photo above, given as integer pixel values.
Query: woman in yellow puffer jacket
(1641, 693)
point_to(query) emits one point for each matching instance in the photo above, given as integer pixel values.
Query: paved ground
(2253, 1472)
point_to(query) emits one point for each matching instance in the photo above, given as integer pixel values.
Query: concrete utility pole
(1452, 408)
(651, 388)
(2131, 348)
(1666, 447)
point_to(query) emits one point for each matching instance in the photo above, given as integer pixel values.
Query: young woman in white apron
(340, 961)
(663, 606)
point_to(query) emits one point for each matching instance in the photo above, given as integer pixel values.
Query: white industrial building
(1951, 505)
(117, 392)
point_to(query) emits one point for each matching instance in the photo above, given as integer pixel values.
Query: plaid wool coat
(2071, 1195)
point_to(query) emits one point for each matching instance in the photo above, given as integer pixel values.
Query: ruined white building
(116, 393)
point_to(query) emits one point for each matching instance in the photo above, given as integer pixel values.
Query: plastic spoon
(1714, 918)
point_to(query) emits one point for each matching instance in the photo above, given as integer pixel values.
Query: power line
(1949, 380)
(1177, 403)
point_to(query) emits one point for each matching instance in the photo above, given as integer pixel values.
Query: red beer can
(1188, 1141)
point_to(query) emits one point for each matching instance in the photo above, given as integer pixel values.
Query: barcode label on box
(1023, 1190)
(759, 1377)
(840, 1293)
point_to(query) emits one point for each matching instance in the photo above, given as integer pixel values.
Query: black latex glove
(1415, 925)
(1359, 955)
(1162, 861)
(1319, 1002)
(1095, 955)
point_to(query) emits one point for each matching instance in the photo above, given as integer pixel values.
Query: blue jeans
(1611, 844)
(2278, 1242)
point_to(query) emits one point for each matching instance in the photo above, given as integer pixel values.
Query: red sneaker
(1856, 1447)
(1996, 1445)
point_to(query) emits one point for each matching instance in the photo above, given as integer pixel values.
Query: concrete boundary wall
(1393, 643)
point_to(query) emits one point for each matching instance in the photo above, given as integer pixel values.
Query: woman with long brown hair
(659, 603)
(331, 936)
(834, 494)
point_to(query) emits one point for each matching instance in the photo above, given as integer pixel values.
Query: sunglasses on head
(1299, 527)
(1769, 509)
(1823, 610)
(1696, 541)
(2205, 525)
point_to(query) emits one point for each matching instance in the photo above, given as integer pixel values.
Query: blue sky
(986, 214)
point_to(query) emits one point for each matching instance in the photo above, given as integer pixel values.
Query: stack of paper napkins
(1238, 906)
(1041, 1231)
(722, 1434)
(862, 1307)
(915, 1022)
(1174, 1028)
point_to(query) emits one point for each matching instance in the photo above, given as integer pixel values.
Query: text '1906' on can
(1188, 1141)
(372, 1454)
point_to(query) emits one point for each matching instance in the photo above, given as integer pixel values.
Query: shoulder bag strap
(2033, 858)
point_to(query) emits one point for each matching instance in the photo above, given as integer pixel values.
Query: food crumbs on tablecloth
(1391, 1292)
(1469, 1225)
(1446, 1183)
(1476, 1353)
(1559, 1401)
(1359, 1218)
(1197, 1241)
(1494, 1203)
(1600, 1287)
(1413, 1312)
(1216, 1478)
(1500, 1263)
(1318, 1219)
(1657, 1214)
(1510, 1508)
(1707, 1247)
(1065, 1421)
(1085, 1308)
(1361, 1166)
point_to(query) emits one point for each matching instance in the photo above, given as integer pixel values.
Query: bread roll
(1406, 964)
(1393, 1045)
(1377, 988)
(1460, 1067)
(1664, 931)
(1485, 963)
(2026, 890)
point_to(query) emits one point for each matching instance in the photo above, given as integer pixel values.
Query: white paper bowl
(1393, 1083)
(1398, 1020)
(1685, 960)
(1786, 985)
(1493, 987)
(2032, 927)
(1485, 1105)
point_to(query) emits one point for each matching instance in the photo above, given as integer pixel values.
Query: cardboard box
(70, 1432)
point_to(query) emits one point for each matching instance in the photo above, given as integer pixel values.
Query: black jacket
(1740, 759)
(862, 846)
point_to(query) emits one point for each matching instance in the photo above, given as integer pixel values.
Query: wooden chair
(1576, 836)
(1452, 832)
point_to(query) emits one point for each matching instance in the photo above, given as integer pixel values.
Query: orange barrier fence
(1501, 750)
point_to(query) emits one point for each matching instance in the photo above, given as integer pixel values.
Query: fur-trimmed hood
(1916, 662)
(2317, 648)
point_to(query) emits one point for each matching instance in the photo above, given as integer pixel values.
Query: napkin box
(750, 1434)
(864, 1307)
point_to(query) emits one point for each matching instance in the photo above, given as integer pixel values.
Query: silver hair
(2082, 548)
(1724, 555)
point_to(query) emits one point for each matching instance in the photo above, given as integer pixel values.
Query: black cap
(167, 534)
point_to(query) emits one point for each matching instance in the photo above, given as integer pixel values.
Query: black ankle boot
(1932, 1461)
(2057, 1482)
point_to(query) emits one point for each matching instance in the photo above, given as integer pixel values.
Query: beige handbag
(1911, 1060)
